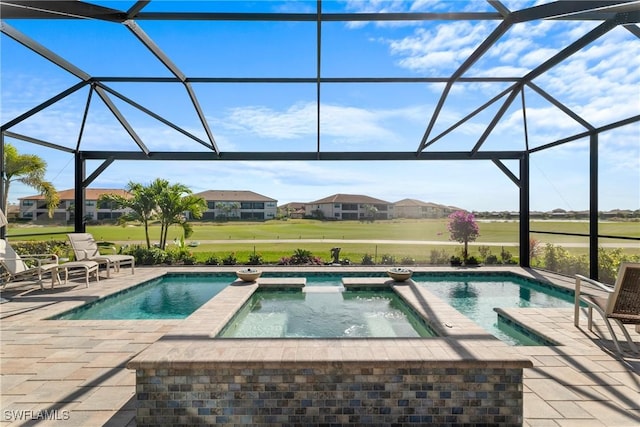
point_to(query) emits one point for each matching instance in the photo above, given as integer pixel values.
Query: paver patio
(74, 371)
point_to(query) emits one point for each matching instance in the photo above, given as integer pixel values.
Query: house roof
(293, 205)
(234, 196)
(349, 198)
(90, 194)
(415, 202)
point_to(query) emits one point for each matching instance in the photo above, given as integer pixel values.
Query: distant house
(35, 208)
(241, 205)
(412, 208)
(616, 213)
(292, 210)
(349, 206)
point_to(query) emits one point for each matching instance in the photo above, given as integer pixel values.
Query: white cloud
(350, 123)
(509, 49)
(298, 120)
(438, 49)
(537, 57)
(532, 30)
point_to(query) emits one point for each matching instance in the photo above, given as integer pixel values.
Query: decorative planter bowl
(399, 274)
(248, 274)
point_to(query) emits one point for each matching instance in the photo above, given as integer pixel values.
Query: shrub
(505, 256)
(558, 259)
(472, 261)
(147, 256)
(491, 259)
(285, 260)
(230, 259)
(455, 260)
(255, 259)
(534, 248)
(438, 257)
(367, 259)
(301, 256)
(387, 259)
(407, 261)
(180, 255)
(212, 260)
(484, 251)
(58, 247)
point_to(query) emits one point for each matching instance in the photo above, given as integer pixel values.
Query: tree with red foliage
(463, 228)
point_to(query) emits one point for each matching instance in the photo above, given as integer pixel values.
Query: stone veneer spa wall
(329, 394)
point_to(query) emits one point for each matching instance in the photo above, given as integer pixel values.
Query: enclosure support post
(3, 230)
(524, 211)
(593, 206)
(79, 196)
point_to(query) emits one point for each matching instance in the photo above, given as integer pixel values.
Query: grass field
(425, 230)
(245, 238)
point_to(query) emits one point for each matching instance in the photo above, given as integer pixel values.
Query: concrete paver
(78, 366)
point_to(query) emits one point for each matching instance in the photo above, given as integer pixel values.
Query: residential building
(349, 206)
(412, 208)
(292, 210)
(239, 205)
(35, 207)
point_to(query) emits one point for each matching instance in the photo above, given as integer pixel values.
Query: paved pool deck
(75, 371)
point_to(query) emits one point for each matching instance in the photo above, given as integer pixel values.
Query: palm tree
(173, 201)
(142, 204)
(224, 208)
(371, 211)
(235, 208)
(29, 170)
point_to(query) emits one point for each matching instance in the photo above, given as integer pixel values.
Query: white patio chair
(86, 248)
(18, 267)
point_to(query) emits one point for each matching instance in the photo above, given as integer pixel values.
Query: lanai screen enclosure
(464, 35)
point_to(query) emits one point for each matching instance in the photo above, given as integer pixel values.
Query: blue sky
(601, 83)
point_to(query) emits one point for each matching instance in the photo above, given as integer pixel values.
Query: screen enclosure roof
(301, 80)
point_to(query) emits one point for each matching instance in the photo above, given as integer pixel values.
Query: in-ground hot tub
(464, 375)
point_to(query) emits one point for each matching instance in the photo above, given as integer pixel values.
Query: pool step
(380, 327)
(262, 325)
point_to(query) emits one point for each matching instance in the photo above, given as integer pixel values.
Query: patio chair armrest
(82, 252)
(600, 285)
(53, 257)
(43, 257)
(37, 258)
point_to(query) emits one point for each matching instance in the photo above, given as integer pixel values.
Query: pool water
(176, 296)
(170, 297)
(321, 313)
(476, 296)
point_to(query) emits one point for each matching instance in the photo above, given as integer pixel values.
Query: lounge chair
(86, 248)
(621, 305)
(89, 267)
(17, 268)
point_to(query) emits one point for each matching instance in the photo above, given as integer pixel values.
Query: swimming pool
(176, 296)
(322, 313)
(476, 296)
(168, 297)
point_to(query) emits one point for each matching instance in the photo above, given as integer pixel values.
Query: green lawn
(426, 230)
(492, 234)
